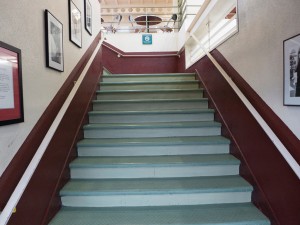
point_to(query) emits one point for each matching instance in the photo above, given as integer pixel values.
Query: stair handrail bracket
(20, 188)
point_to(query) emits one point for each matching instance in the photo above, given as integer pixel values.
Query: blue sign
(147, 39)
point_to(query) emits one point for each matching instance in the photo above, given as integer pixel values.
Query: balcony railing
(215, 23)
(152, 19)
(140, 19)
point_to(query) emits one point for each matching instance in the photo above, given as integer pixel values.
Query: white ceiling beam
(135, 5)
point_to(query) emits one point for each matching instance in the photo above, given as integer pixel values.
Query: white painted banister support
(282, 149)
(19, 190)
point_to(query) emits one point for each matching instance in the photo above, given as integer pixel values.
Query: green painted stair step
(154, 129)
(139, 161)
(150, 85)
(152, 154)
(152, 104)
(153, 146)
(151, 116)
(220, 214)
(153, 186)
(149, 94)
(155, 192)
(154, 166)
(147, 77)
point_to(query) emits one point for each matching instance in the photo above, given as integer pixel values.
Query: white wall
(256, 52)
(182, 35)
(161, 42)
(22, 25)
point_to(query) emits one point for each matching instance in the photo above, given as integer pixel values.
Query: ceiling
(134, 3)
(112, 10)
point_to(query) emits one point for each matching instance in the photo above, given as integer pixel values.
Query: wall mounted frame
(75, 24)
(291, 70)
(54, 42)
(11, 94)
(88, 16)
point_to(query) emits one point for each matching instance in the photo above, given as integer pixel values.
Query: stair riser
(166, 199)
(158, 86)
(138, 118)
(148, 78)
(154, 172)
(150, 106)
(157, 132)
(135, 96)
(153, 150)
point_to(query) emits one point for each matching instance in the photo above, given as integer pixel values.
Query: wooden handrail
(120, 54)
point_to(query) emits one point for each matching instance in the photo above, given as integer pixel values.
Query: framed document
(11, 95)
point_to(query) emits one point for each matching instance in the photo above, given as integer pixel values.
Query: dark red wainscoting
(160, 62)
(16, 168)
(40, 200)
(276, 187)
(290, 141)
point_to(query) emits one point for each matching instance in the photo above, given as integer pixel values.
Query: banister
(261, 121)
(24, 181)
(198, 15)
(120, 54)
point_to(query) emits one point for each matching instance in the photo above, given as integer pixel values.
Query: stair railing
(120, 54)
(265, 126)
(20, 188)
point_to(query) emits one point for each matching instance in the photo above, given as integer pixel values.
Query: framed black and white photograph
(75, 24)
(88, 16)
(291, 52)
(54, 42)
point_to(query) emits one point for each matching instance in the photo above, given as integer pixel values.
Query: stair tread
(215, 214)
(204, 140)
(139, 161)
(153, 125)
(149, 91)
(149, 82)
(150, 75)
(152, 100)
(78, 187)
(174, 111)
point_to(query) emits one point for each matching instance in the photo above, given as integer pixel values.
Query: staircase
(153, 155)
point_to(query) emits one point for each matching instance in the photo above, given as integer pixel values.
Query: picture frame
(88, 16)
(75, 24)
(291, 64)
(11, 92)
(54, 42)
